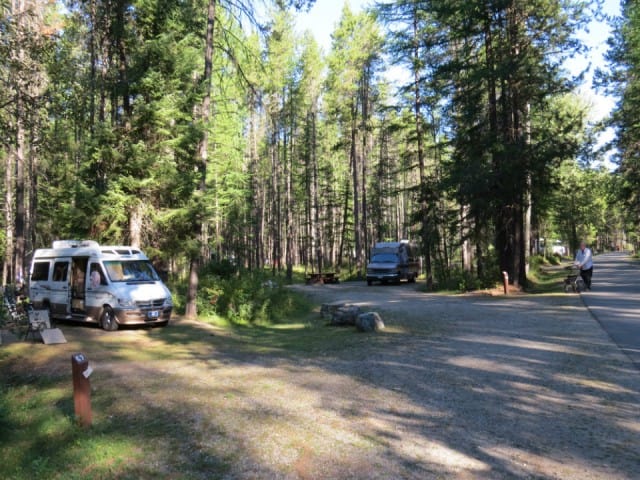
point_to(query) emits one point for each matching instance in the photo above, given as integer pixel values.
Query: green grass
(130, 438)
(545, 279)
(39, 435)
(41, 439)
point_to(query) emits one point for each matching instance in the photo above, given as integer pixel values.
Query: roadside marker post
(80, 371)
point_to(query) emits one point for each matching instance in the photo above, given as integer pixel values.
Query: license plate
(153, 314)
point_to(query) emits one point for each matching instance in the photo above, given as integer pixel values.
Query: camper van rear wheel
(108, 320)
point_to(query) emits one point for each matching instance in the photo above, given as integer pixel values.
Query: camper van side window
(96, 277)
(40, 271)
(60, 270)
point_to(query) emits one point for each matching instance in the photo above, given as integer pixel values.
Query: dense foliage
(203, 134)
(622, 80)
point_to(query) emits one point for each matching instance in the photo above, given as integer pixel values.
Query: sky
(325, 14)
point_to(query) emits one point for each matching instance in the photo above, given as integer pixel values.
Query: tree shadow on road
(462, 387)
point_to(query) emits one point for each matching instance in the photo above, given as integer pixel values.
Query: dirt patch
(455, 387)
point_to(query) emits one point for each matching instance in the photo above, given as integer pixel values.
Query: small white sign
(87, 372)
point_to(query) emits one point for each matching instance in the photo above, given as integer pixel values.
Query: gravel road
(615, 301)
(490, 387)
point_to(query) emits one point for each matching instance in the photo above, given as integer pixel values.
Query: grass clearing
(133, 435)
(154, 415)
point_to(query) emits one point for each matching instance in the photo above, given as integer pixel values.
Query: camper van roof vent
(74, 243)
(120, 251)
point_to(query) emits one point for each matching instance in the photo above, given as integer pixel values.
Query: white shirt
(584, 259)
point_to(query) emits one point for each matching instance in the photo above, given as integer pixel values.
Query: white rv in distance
(89, 282)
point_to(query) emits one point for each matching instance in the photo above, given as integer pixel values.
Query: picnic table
(322, 278)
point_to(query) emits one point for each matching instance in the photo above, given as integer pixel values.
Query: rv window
(60, 270)
(130, 271)
(385, 258)
(40, 271)
(96, 277)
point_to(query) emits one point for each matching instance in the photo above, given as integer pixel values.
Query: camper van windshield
(131, 271)
(385, 258)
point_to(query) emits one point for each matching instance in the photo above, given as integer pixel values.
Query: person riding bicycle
(584, 261)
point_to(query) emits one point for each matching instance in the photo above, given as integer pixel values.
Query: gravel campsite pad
(464, 387)
(490, 387)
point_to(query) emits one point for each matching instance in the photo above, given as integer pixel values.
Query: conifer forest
(205, 131)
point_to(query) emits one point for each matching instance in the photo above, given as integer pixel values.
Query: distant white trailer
(89, 282)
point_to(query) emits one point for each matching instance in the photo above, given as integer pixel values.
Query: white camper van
(88, 282)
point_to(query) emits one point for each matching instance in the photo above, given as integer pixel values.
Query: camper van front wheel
(108, 320)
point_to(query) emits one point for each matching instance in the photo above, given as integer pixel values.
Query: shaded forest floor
(465, 387)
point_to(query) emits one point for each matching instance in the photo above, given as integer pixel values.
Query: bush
(247, 297)
(536, 261)
(458, 280)
(455, 278)
(555, 259)
(221, 268)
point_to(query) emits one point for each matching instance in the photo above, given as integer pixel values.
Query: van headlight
(126, 303)
(168, 302)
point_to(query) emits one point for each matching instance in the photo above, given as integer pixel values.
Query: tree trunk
(465, 230)
(19, 10)
(276, 237)
(343, 229)
(135, 225)
(191, 308)
(21, 212)
(257, 199)
(123, 81)
(9, 188)
(528, 206)
(316, 238)
(364, 161)
(287, 150)
(417, 113)
(353, 156)
(93, 60)
(480, 268)
(192, 291)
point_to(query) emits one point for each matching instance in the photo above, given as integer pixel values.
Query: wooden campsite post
(80, 371)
